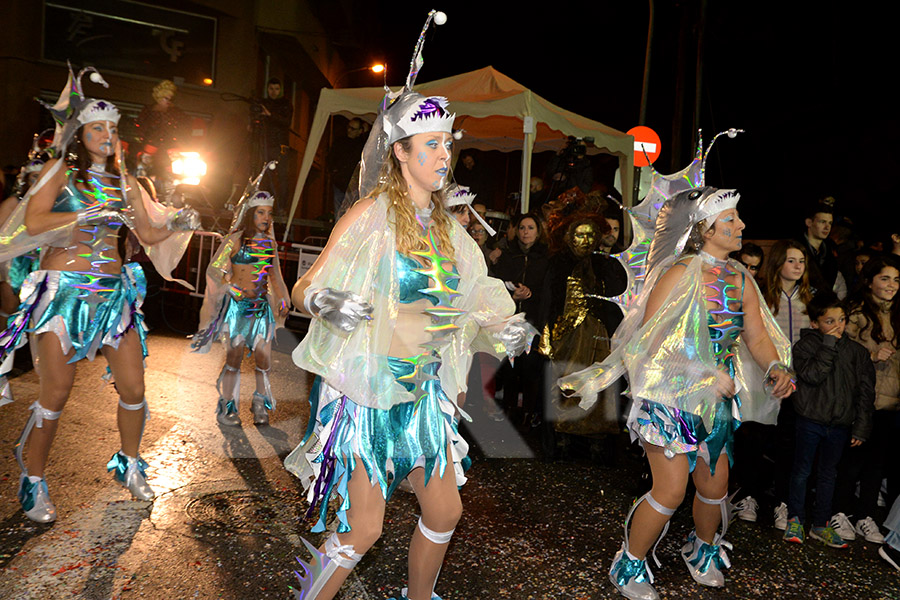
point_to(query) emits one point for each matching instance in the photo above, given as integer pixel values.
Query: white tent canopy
(496, 113)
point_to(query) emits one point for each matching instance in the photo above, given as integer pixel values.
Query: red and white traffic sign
(646, 145)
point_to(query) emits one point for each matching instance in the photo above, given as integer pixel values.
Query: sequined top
(72, 199)
(725, 324)
(100, 249)
(259, 253)
(411, 282)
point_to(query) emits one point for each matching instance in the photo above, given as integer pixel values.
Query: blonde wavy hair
(164, 88)
(406, 228)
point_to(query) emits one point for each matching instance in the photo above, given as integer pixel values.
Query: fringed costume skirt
(248, 322)
(388, 443)
(680, 432)
(85, 310)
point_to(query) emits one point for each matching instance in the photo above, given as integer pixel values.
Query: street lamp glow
(379, 68)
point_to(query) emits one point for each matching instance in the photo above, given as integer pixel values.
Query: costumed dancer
(702, 353)
(577, 321)
(400, 298)
(83, 299)
(246, 300)
(14, 271)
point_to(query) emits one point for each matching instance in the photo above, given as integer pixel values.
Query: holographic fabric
(85, 310)
(72, 199)
(671, 359)
(680, 432)
(15, 240)
(364, 261)
(389, 443)
(246, 321)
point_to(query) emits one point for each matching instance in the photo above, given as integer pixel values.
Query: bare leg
(441, 511)
(669, 482)
(708, 517)
(127, 365)
(365, 516)
(57, 377)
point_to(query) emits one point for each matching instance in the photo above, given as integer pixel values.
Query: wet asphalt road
(228, 518)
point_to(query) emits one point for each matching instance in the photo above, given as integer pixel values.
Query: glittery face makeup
(100, 138)
(726, 236)
(428, 160)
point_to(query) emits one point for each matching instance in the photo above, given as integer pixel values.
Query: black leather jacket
(835, 382)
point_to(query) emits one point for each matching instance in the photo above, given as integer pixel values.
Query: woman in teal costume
(399, 298)
(688, 346)
(83, 299)
(245, 301)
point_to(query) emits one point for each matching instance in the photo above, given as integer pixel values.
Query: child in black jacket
(834, 401)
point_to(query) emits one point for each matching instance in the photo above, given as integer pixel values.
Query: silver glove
(516, 337)
(185, 219)
(344, 310)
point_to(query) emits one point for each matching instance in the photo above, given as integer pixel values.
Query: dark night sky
(808, 83)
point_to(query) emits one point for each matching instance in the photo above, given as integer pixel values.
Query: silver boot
(320, 569)
(131, 473)
(226, 413)
(35, 500)
(227, 410)
(632, 578)
(706, 562)
(262, 401)
(34, 496)
(259, 408)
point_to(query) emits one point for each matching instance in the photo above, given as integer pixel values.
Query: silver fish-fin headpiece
(663, 220)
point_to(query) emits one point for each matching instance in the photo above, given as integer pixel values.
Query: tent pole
(527, 145)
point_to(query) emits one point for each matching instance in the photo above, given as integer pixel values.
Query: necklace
(709, 259)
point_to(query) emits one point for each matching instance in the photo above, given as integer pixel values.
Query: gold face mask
(584, 239)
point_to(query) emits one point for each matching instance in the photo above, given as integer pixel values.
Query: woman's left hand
(782, 383)
(283, 308)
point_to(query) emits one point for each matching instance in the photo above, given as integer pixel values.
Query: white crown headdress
(252, 197)
(98, 110)
(261, 199)
(459, 194)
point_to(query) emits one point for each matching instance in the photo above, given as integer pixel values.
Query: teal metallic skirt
(246, 322)
(389, 443)
(85, 310)
(680, 432)
(22, 266)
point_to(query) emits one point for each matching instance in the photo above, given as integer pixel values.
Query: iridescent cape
(670, 359)
(363, 261)
(165, 255)
(217, 276)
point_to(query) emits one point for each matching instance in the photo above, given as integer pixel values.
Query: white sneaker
(843, 527)
(781, 516)
(746, 509)
(869, 530)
